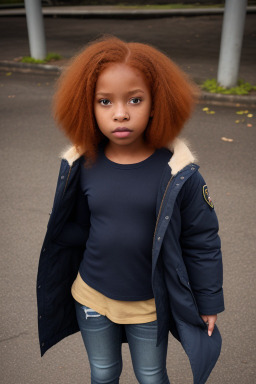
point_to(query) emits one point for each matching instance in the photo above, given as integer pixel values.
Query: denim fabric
(103, 341)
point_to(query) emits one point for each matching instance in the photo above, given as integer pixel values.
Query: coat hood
(182, 156)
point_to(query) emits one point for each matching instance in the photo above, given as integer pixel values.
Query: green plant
(53, 56)
(49, 57)
(242, 88)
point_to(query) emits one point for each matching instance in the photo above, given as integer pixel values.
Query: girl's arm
(76, 231)
(201, 248)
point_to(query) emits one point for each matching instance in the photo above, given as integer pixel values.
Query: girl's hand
(210, 320)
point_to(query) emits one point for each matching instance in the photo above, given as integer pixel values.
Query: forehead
(119, 75)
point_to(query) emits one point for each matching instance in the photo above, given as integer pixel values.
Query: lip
(122, 129)
(122, 132)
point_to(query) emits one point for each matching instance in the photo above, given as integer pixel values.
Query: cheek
(98, 114)
(145, 114)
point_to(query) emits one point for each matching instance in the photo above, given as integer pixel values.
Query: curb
(205, 97)
(6, 65)
(120, 13)
(228, 100)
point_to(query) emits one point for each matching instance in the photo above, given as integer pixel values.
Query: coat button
(44, 250)
(182, 178)
(42, 344)
(62, 177)
(177, 185)
(192, 169)
(159, 238)
(166, 217)
(39, 286)
(40, 317)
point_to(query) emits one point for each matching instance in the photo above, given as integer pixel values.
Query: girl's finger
(211, 323)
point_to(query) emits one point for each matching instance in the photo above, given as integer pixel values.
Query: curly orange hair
(173, 95)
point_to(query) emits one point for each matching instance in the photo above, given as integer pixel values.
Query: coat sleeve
(201, 247)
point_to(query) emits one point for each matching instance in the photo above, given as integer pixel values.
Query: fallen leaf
(237, 121)
(242, 112)
(226, 139)
(250, 115)
(8, 74)
(208, 111)
(249, 125)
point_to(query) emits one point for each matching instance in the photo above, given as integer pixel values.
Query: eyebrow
(106, 94)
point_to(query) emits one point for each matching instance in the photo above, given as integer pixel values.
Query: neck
(127, 154)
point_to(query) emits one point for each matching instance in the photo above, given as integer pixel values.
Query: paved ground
(193, 42)
(29, 147)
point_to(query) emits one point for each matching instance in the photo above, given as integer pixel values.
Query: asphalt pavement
(224, 139)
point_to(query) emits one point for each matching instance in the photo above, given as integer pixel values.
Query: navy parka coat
(186, 260)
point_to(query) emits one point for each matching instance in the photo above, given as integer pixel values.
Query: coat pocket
(186, 284)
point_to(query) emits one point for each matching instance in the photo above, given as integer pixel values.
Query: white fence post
(35, 26)
(231, 42)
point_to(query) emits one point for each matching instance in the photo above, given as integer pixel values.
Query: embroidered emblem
(207, 196)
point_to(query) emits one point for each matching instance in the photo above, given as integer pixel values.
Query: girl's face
(122, 104)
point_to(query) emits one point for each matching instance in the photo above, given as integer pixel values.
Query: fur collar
(182, 156)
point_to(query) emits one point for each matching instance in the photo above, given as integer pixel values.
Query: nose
(121, 113)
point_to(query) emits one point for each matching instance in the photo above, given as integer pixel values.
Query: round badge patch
(207, 196)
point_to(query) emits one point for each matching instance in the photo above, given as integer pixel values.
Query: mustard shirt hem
(130, 312)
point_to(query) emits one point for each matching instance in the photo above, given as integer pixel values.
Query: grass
(49, 57)
(242, 88)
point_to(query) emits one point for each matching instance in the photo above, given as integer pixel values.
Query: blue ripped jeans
(103, 340)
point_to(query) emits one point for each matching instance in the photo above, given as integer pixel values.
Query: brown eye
(104, 102)
(135, 100)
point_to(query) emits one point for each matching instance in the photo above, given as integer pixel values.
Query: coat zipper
(67, 181)
(160, 209)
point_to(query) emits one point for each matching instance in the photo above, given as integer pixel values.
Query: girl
(133, 230)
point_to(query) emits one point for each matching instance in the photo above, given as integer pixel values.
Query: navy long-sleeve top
(122, 208)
